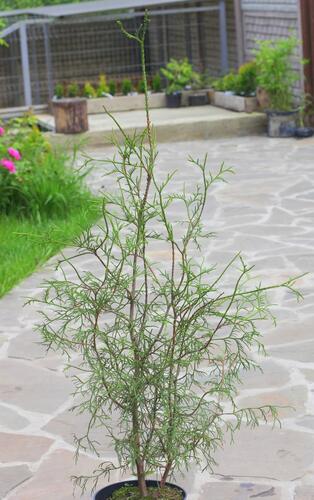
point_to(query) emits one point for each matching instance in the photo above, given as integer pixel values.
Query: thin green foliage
(162, 344)
(275, 71)
(45, 184)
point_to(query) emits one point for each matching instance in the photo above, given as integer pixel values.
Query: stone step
(180, 124)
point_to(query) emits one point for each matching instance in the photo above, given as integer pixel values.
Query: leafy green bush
(241, 83)
(179, 74)
(226, 83)
(156, 83)
(103, 87)
(73, 90)
(275, 72)
(59, 91)
(89, 91)
(246, 81)
(141, 87)
(126, 86)
(112, 87)
(34, 180)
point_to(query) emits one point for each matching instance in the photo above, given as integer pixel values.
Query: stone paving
(267, 212)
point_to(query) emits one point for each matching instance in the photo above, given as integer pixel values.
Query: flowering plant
(34, 180)
(8, 155)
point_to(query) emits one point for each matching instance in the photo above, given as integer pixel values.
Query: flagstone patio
(267, 212)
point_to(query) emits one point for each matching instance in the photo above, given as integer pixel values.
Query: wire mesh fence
(79, 50)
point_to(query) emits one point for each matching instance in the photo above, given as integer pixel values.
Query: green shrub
(247, 75)
(275, 73)
(59, 91)
(226, 83)
(112, 87)
(241, 83)
(73, 90)
(126, 86)
(103, 87)
(179, 74)
(156, 83)
(89, 91)
(141, 87)
(41, 184)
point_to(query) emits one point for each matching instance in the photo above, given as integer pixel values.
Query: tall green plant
(162, 344)
(275, 72)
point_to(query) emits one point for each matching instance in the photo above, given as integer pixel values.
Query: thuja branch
(162, 345)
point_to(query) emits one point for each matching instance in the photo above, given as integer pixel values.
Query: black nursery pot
(303, 132)
(173, 100)
(106, 492)
(198, 99)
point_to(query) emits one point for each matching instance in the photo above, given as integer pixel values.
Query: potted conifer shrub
(275, 78)
(161, 346)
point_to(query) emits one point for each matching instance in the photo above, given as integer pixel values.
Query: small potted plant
(178, 74)
(103, 88)
(275, 79)
(112, 87)
(237, 91)
(156, 83)
(159, 348)
(126, 86)
(198, 96)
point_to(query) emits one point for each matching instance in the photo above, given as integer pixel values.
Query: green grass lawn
(25, 244)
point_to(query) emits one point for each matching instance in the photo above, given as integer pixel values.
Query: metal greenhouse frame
(31, 33)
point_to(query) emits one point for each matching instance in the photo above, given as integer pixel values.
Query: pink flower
(14, 153)
(2, 131)
(9, 165)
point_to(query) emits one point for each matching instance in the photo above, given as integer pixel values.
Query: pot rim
(277, 112)
(150, 482)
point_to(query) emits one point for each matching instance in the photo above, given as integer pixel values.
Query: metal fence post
(48, 60)
(224, 59)
(25, 65)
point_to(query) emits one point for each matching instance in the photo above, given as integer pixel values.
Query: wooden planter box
(133, 102)
(233, 102)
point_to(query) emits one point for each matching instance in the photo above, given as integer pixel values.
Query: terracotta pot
(262, 98)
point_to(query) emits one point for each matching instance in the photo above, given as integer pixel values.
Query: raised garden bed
(134, 102)
(233, 102)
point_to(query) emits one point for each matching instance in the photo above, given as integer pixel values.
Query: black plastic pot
(173, 100)
(106, 492)
(198, 99)
(281, 123)
(303, 132)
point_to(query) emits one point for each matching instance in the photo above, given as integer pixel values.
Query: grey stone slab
(298, 330)
(27, 346)
(302, 352)
(53, 479)
(11, 477)
(11, 419)
(22, 448)
(245, 490)
(272, 375)
(290, 402)
(32, 388)
(68, 424)
(305, 492)
(279, 454)
(309, 375)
